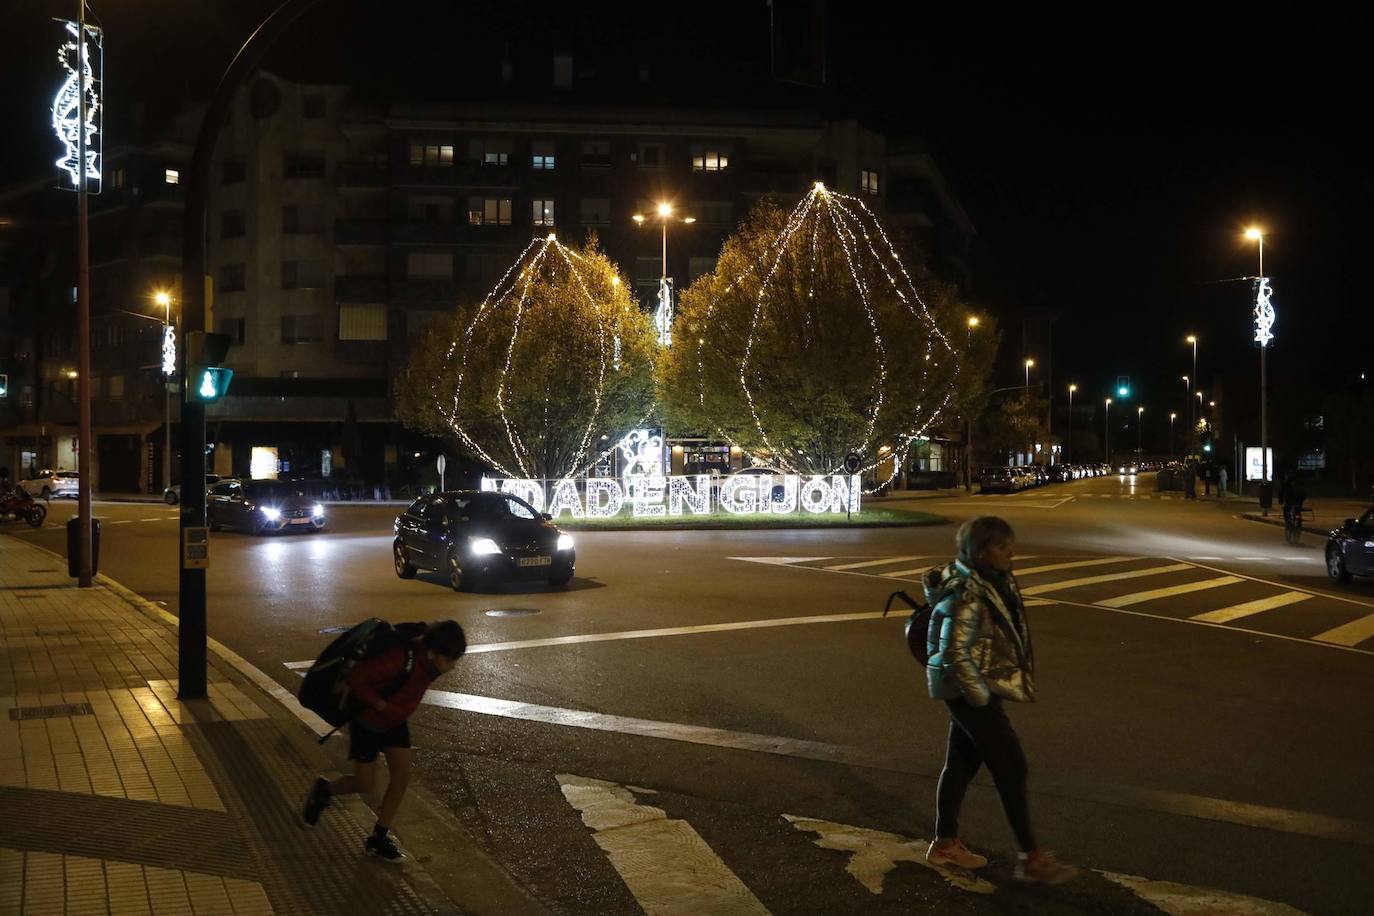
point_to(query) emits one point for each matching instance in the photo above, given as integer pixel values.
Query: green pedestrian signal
(1123, 386)
(4, 385)
(206, 380)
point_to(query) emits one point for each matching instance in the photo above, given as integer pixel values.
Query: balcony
(361, 289)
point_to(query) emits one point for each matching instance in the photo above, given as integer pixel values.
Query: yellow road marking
(1109, 577)
(1169, 592)
(1349, 634)
(1236, 611)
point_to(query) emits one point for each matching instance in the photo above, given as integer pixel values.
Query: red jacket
(370, 676)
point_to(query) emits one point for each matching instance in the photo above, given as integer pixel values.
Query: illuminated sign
(739, 494)
(1264, 313)
(663, 314)
(169, 350)
(82, 61)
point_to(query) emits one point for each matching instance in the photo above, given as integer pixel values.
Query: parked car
(477, 538)
(172, 495)
(1003, 480)
(1350, 548)
(49, 484)
(263, 506)
(1060, 473)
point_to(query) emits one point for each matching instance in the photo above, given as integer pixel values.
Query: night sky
(1110, 160)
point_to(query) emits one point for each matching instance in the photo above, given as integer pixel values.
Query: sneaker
(383, 848)
(315, 803)
(954, 852)
(1043, 868)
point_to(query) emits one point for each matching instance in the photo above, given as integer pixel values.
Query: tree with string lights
(813, 337)
(532, 377)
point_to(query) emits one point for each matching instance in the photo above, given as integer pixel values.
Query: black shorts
(364, 744)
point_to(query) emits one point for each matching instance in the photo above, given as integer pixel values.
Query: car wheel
(560, 581)
(46, 494)
(170, 498)
(403, 568)
(1335, 565)
(456, 579)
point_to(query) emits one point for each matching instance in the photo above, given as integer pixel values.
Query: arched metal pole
(192, 630)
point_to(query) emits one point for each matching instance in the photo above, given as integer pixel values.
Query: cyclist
(1291, 497)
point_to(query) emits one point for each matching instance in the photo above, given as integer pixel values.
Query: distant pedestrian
(1221, 482)
(389, 695)
(980, 655)
(1206, 472)
(1190, 481)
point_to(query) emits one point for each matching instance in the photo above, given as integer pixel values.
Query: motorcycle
(18, 505)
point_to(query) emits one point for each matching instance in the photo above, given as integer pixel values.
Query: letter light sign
(81, 62)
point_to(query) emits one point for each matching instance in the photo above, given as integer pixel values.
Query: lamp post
(1192, 339)
(969, 327)
(664, 214)
(1139, 413)
(664, 316)
(1029, 364)
(1107, 432)
(1069, 440)
(164, 299)
(1172, 417)
(1257, 235)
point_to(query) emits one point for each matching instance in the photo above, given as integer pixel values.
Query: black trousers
(979, 735)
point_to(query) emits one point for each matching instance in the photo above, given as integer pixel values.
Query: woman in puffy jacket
(980, 655)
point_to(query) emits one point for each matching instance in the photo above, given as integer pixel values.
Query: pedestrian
(980, 656)
(1221, 482)
(389, 695)
(1206, 471)
(1190, 481)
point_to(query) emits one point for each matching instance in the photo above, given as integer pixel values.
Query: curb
(467, 873)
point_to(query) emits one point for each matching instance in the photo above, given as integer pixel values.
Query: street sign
(195, 549)
(852, 461)
(441, 464)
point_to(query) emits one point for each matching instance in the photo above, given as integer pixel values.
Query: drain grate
(512, 612)
(57, 711)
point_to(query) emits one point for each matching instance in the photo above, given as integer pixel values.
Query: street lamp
(1072, 389)
(664, 214)
(969, 326)
(169, 368)
(1139, 412)
(1172, 417)
(1256, 235)
(663, 317)
(1192, 339)
(1029, 364)
(1107, 432)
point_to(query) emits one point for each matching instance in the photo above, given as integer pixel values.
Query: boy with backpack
(387, 688)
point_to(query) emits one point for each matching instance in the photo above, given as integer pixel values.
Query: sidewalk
(119, 798)
(1326, 513)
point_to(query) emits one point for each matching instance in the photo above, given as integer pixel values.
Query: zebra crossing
(1170, 588)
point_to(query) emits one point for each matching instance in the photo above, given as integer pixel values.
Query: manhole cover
(512, 612)
(333, 631)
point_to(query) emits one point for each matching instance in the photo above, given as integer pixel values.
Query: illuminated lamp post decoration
(74, 56)
(830, 264)
(1264, 336)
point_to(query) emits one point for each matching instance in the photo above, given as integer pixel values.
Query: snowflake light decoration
(74, 56)
(1264, 313)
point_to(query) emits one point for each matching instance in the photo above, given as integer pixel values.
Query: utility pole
(85, 442)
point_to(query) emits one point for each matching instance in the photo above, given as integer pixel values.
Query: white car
(47, 484)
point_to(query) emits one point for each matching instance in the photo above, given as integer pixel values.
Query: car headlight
(484, 547)
(270, 513)
(565, 542)
(318, 511)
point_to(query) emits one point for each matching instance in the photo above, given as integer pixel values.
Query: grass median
(875, 517)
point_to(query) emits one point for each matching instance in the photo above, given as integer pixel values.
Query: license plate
(535, 561)
(300, 521)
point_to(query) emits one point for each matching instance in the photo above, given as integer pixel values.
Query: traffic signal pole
(192, 631)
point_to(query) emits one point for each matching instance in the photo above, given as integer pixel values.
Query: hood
(942, 581)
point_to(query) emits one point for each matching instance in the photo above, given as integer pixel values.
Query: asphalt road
(1229, 752)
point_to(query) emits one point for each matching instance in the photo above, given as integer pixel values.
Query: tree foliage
(813, 337)
(531, 378)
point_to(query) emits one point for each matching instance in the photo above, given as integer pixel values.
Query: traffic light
(4, 385)
(1204, 438)
(1123, 386)
(206, 380)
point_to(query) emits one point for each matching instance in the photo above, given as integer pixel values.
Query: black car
(998, 479)
(1350, 548)
(261, 506)
(477, 538)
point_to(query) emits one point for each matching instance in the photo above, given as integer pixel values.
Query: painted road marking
(778, 561)
(1032, 570)
(665, 863)
(864, 565)
(122, 521)
(874, 853)
(1169, 592)
(1237, 611)
(1110, 577)
(1356, 631)
(1183, 900)
(903, 573)
(158, 519)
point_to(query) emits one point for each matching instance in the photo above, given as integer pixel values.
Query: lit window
(431, 154)
(489, 151)
(868, 180)
(543, 212)
(489, 211)
(541, 153)
(117, 178)
(171, 176)
(710, 161)
(362, 322)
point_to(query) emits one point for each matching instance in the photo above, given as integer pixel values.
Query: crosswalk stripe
(1109, 577)
(1170, 591)
(1237, 611)
(903, 573)
(1032, 570)
(867, 563)
(664, 862)
(1348, 634)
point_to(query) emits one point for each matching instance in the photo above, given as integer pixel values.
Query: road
(1203, 713)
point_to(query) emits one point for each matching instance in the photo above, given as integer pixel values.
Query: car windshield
(491, 506)
(277, 490)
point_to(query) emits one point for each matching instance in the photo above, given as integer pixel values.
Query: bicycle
(1292, 523)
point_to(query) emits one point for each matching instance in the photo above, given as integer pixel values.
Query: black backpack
(917, 625)
(325, 688)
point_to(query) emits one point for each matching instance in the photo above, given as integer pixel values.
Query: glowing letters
(740, 494)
